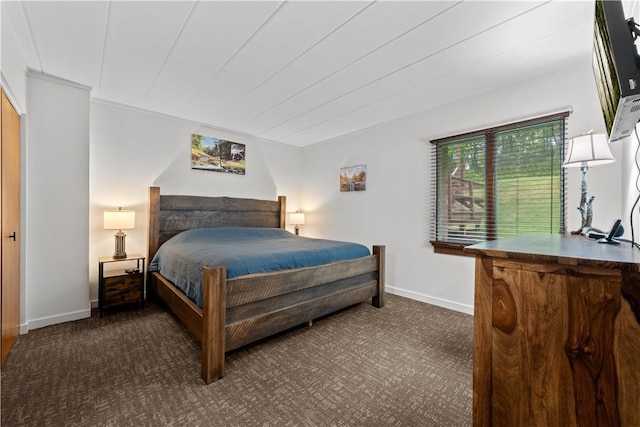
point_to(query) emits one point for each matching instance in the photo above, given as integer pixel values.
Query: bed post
(214, 303)
(153, 222)
(378, 301)
(283, 211)
(153, 237)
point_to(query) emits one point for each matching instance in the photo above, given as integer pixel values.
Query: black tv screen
(616, 65)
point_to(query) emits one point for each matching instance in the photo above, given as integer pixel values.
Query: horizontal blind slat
(529, 185)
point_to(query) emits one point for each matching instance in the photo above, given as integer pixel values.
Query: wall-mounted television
(616, 66)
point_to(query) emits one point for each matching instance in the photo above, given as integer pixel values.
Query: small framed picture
(353, 178)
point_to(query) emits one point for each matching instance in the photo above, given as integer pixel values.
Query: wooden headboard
(169, 215)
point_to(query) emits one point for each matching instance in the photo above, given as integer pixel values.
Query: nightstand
(118, 287)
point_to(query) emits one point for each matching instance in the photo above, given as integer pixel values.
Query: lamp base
(297, 230)
(119, 251)
(585, 207)
(584, 231)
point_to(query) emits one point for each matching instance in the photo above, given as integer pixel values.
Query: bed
(243, 309)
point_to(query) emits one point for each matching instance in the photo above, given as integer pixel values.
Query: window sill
(450, 248)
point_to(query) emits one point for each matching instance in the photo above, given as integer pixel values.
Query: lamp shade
(296, 218)
(588, 150)
(119, 220)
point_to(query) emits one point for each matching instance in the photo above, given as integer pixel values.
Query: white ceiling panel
(298, 72)
(295, 28)
(13, 12)
(456, 59)
(418, 45)
(464, 83)
(139, 38)
(382, 22)
(215, 33)
(74, 31)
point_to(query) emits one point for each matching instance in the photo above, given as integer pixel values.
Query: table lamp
(119, 220)
(296, 219)
(587, 150)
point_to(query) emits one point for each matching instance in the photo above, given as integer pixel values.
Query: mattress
(243, 250)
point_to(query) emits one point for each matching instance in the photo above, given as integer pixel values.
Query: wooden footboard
(244, 309)
(290, 298)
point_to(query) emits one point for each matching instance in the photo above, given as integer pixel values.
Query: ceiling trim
(55, 79)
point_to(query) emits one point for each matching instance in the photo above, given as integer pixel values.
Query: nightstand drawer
(122, 289)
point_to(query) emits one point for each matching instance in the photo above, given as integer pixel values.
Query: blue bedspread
(243, 250)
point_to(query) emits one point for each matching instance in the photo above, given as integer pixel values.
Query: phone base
(609, 241)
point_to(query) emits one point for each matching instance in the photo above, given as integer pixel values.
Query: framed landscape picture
(353, 178)
(217, 155)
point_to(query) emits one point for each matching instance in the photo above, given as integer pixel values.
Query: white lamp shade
(588, 150)
(296, 218)
(119, 220)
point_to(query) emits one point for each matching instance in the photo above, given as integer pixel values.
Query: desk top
(561, 249)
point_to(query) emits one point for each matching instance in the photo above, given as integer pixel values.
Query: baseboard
(54, 320)
(83, 314)
(463, 308)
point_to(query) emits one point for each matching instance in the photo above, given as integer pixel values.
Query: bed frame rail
(255, 287)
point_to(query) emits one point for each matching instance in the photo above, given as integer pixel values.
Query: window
(499, 182)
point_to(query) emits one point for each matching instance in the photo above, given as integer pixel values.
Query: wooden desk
(556, 332)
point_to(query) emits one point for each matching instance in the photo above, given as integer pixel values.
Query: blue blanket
(243, 250)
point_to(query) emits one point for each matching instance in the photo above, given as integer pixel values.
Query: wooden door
(10, 213)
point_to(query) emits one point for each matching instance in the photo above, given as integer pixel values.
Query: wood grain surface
(482, 352)
(559, 342)
(10, 219)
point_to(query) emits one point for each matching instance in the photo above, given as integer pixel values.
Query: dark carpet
(407, 364)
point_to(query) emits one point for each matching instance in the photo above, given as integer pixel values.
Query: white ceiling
(298, 72)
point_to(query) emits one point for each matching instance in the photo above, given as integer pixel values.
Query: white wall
(132, 150)
(57, 201)
(395, 208)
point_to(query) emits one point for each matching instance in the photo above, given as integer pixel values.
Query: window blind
(499, 182)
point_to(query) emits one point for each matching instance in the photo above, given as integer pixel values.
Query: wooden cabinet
(118, 287)
(556, 332)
